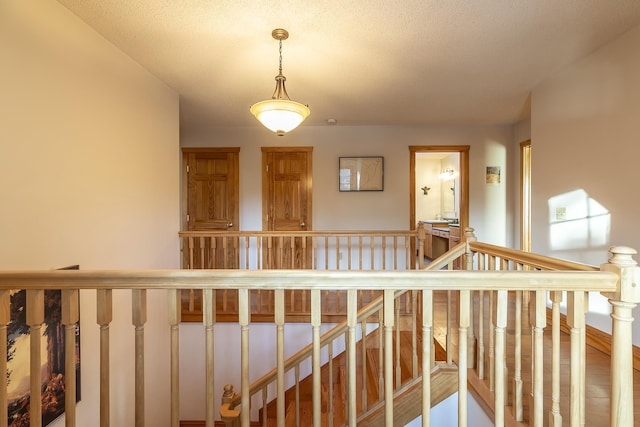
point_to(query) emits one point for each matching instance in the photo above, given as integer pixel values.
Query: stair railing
(617, 279)
(316, 250)
(495, 377)
(411, 302)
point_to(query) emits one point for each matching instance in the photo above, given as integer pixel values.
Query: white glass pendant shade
(280, 115)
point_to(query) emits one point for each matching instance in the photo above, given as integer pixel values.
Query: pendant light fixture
(280, 114)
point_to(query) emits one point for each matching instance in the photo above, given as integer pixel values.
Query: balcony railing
(501, 272)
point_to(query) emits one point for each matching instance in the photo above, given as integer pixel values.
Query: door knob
(302, 224)
(229, 224)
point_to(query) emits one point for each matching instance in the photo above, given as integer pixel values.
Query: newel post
(422, 235)
(230, 417)
(622, 301)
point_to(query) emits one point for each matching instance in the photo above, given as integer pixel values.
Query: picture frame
(53, 366)
(361, 173)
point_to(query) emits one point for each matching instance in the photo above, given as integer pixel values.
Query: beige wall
(585, 132)
(389, 209)
(88, 175)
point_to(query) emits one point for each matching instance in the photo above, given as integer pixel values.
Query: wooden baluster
(504, 266)
(395, 252)
(360, 249)
(206, 261)
(481, 349)
(481, 360)
(35, 318)
(517, 374)
(280, 263)
(314, 252)
(260, 255)
(414, 334)
(397, 351)
(208, 320)
(555, 418)
(5, 318)
(303, 245)
(383, 240)
(265, 419)
(270, 255)
(338, 254)
(464, 308)
(316, 322)
(331, 382)
(409, 264)
(192, 293)
(492, 360)
(380, 353)
(500, 354)
(421, 239)
(173, 296)
(243, 320)
(70, 317)
(583, 363)
(449, 337)
(279, 321)
(575, 321)
(225, 251)
(372, 249)
(389, 311)
(191, 253)
(468, 265)
(139, 318)
(363, 329)
(352, 321)
(247, 252)
(539, 317)
(349, 253)
(427, 354)
(104, 318)
(297, 377)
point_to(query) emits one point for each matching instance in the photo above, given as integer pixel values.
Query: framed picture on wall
(361, 173)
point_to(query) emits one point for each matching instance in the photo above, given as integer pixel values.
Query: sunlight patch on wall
(577, 221)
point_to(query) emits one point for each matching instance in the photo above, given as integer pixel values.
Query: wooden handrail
(588, 281)
(527, 258)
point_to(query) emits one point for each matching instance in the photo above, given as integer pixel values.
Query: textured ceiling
(360, 62)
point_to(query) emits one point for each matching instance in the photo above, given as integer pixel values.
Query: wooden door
(286, 203)
(211, 176)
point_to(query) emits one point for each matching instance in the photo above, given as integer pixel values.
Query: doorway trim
(463, 150)
(525, 196)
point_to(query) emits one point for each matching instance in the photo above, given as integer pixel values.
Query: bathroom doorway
(439, 184)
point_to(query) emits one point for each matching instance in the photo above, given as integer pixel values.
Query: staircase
(370, 408)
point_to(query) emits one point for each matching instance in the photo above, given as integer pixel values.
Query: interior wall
(584, 132)
(89, 176)
(389, 209)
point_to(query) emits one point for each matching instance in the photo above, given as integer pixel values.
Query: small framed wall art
(361, 173)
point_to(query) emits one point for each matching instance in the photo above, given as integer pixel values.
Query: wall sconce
(447, 173)
(426, 189)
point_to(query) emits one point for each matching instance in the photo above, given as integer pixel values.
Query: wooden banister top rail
(527, 258)
(301, 233)
(597, 281)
